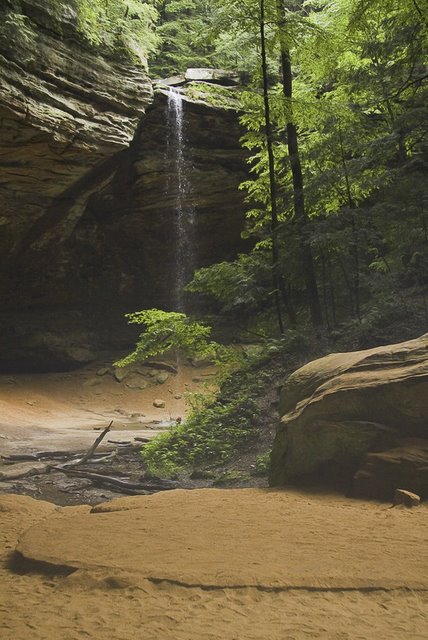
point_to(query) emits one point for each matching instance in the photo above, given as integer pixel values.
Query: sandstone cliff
(85, 212)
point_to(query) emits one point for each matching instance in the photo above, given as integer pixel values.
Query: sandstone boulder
(338, 408)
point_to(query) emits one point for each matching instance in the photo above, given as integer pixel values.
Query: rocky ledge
(64, 110)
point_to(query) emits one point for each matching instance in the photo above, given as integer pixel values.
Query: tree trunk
(300, 214)
(277, 284)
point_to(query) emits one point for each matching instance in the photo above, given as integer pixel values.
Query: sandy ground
(62, 410)
(215, 565)
(192, 565)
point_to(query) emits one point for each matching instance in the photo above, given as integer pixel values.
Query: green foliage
(235, 285)
(183, 32)
(122, 27)
(211, 434)
(360, 105)
(218, 427)
(214, 95)
(165, 330)
(263, 464)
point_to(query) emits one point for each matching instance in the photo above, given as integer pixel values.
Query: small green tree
(170, 330)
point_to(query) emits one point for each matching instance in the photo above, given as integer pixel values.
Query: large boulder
(337, 409)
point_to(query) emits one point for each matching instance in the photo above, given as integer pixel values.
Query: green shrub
(263, 464)
(211, 434)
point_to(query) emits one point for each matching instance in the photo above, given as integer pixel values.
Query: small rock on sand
(120, 374)
(162, 377)
(159, 404)
(92, 382)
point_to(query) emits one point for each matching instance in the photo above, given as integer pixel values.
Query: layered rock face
(345, 406)
(64, 110)
(67, 115)
(86, 204)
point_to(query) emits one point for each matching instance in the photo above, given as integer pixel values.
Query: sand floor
(192, 565)
(62, 410)
(214, 564)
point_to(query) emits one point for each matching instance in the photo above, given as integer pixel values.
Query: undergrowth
(214, 432)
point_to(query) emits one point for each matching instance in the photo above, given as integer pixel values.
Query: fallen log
(91, 450)
(50, 455)
(108, 458)
(20, 457)
(121, 484)
(4, 477)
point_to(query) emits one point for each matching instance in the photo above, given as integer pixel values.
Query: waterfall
(179, 186)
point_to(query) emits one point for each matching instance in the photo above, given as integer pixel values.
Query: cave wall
(86, 205)
(131, 220)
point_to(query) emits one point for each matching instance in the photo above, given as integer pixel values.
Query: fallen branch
(4, 477)
(108, 458)
(50, 455)
(20, 457)
(91, 449)
(121, 484)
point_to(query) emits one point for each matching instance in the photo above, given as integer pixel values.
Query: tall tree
(301, 216)
(277, 277)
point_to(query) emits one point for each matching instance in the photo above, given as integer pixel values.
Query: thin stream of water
(179, 185)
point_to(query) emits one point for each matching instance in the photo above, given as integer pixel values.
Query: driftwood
(76, 459)
(54, 454)
(91, 449)
(111, 480)
(64, 454)
(108, 458)
(51, 455)
(20, 457)
(4, 477)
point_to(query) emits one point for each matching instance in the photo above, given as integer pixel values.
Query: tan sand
(61, 410)
(216, 564)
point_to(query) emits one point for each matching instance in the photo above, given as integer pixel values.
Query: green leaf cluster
(122, 27)
(169, 330)
(360, 106)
